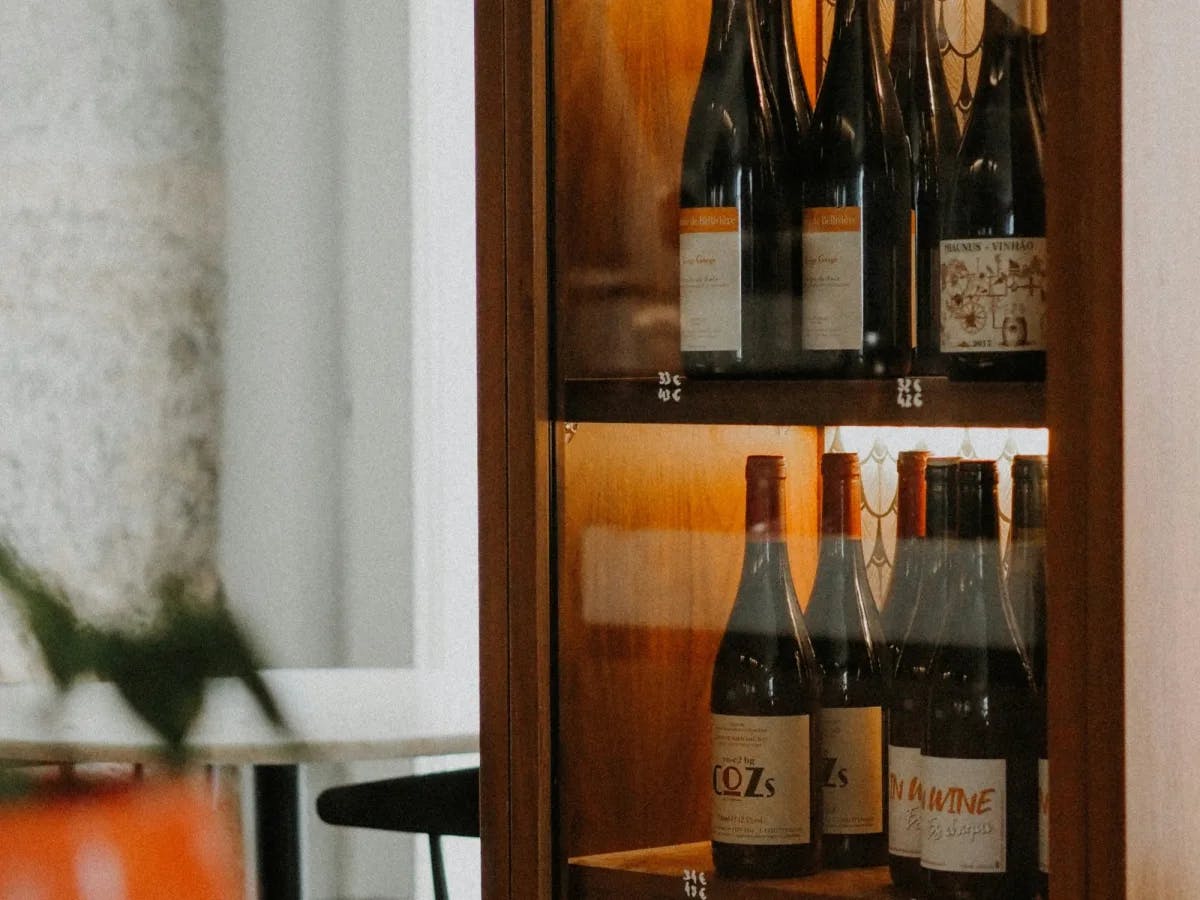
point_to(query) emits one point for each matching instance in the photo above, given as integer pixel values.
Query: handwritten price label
(670, 387)
(908, 393)
(695, 884)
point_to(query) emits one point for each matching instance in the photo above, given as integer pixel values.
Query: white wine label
(852, 749)
(993, 296)
(831, 301)
(761, 780)
(710, 279)
(1029, 14)
(964, 828)
(1044, 816)
(906, 797)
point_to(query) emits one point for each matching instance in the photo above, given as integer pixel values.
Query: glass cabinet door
(616, 457)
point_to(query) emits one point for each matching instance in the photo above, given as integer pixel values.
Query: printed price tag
(908, 393)
(695, 884)
(670, 387)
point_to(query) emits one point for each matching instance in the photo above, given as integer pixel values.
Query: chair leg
(439, 870)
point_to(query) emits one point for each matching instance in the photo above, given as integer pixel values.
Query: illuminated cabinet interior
(612, 489)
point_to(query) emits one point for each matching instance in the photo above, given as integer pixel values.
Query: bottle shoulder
(764, 675)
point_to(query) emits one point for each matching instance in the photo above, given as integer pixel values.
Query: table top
(334, 714)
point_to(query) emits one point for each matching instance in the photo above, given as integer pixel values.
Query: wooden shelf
(662, 873)
(923, 401)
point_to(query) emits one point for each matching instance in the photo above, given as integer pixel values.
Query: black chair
(439, 803)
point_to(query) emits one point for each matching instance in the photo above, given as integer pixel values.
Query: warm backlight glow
(878, 448)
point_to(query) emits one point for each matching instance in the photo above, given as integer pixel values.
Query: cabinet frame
(517, 446)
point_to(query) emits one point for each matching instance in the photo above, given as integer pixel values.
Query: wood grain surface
(651, 530)
(664, 873)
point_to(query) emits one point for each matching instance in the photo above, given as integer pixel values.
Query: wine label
(906, 797)
(1029, 14)
(852, 750)
(710, 279)
(964, 827)
(761, 780)
(1044, 816)
(993, 295)
(832, 298)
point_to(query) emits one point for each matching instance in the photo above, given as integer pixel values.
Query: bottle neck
(782, 59)
(735, 56)
(914, 35)
(857, 22)
(1006, 58)
(910, 506)
(979, 620)
(765, 511)
(728, 29)
(1029, 505)
(841, 508)
(940, 520)
(734, 34)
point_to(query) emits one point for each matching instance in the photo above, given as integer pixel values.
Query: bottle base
(962, 886)
(907, 875)
(765, 860)
(855, 851)
(998, 366)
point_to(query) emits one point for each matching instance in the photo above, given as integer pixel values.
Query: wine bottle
(856, 229)
(979, 756)
(855, 676)
(992, 306)
(784, 72)
(910, 533)
(1027, 559)
(907, 712)
(1038, 50)
(932, 129)
(736, 274)
(1027, 594)
(766, 813)
(1035, 14)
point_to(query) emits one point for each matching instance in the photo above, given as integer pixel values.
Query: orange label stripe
(833, 218)
(708, 219)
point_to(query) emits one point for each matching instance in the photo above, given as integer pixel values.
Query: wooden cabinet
(592, 479)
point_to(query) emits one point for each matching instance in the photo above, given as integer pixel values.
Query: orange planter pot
(143, 841)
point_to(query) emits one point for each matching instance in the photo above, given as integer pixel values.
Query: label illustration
(964, 828)
(852, 749)
(1044, 816)
(710, 279)
(906, 797)
(832, 296)
(993, 295)
(761, 780)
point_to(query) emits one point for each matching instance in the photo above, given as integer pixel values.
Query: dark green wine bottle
(910, 689)
(993, 250)
(979, 755)
(766, 817)
(856, 266)
(932, 128)
(737, 198)
(855, 676)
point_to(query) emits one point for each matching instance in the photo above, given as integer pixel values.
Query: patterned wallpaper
(960, 29)
(878, 449)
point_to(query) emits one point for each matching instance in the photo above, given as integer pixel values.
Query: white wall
(1160, 196)
(348, 498)
(276, 197)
